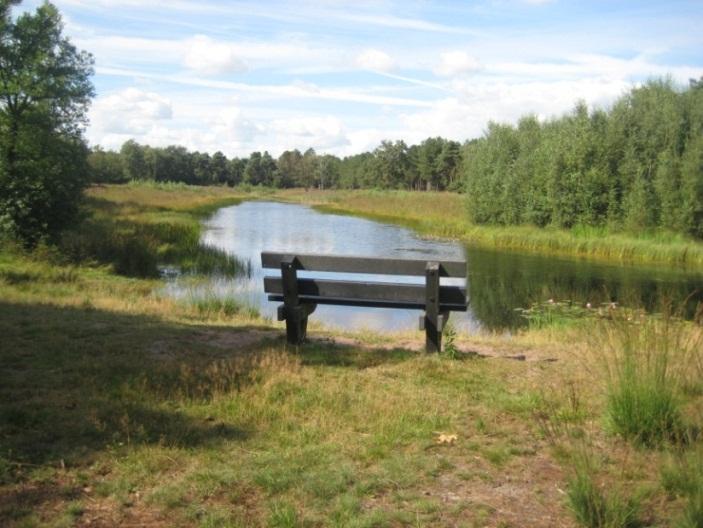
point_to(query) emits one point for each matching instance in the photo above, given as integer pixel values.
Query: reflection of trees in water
(499, 283)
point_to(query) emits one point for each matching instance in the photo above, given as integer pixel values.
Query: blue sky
(341, 76)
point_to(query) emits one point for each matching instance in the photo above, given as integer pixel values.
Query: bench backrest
(361, 292)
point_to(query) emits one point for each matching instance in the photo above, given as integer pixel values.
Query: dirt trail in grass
(236, 340)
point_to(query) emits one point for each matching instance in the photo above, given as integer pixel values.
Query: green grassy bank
(120, 406)
(444, 215)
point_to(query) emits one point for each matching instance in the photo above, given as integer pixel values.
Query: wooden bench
(300, 296)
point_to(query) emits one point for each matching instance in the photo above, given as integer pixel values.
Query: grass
(595, 506)
(138, 228)
(119, 406)
(682, 477)
(443, 214)
(648, 361)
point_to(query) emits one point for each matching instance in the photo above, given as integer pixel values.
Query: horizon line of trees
(434, 164)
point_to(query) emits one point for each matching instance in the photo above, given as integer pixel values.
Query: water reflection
(498, 282)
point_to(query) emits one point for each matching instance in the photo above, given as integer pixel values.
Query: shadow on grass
(320, 353)
(76, 382)
(80, 381)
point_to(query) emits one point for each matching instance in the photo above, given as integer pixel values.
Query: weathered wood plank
(450, 297)
(340, 301)
(346, 264)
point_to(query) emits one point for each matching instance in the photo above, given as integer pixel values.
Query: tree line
(434, 164)
(638, 165)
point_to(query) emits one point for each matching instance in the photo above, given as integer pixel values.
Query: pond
(498, 282)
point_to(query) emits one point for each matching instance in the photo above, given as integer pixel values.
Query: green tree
(134, 161)
(290, 168)
(105, 166)
(427, 166)
(45, 90)
(235, 171)
(328, 171)
(218, 168)
(692, 187)
(260, 169)
(391, 164)
(448, 163)
(309, 169)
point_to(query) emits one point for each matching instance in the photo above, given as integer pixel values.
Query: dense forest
(636, 166)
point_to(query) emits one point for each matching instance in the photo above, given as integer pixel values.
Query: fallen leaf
(447, 438)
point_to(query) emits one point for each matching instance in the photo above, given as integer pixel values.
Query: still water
(498, 282)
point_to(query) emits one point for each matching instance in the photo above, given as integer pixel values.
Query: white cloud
(232, 125)
(453, 63)
(321, 132)
(130, 111)
(466, 114)
(305, 89)
(590, 65)
(283, 91)
(398, 22)
(207, 56)
(375, 60)
(209, 123)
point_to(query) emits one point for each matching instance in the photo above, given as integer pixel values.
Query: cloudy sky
(341, 76)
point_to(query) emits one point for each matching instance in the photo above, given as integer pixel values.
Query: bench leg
(433, 327)
(296, 321)
(433, 338)
(296, 329)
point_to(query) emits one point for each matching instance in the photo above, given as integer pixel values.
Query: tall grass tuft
(682, 476)
(647, 362)
(209, 304)
(593, 505)
(693, 514)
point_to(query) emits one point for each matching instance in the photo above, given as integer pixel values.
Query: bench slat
(380, 266)
(337, 301)
(374, 293)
